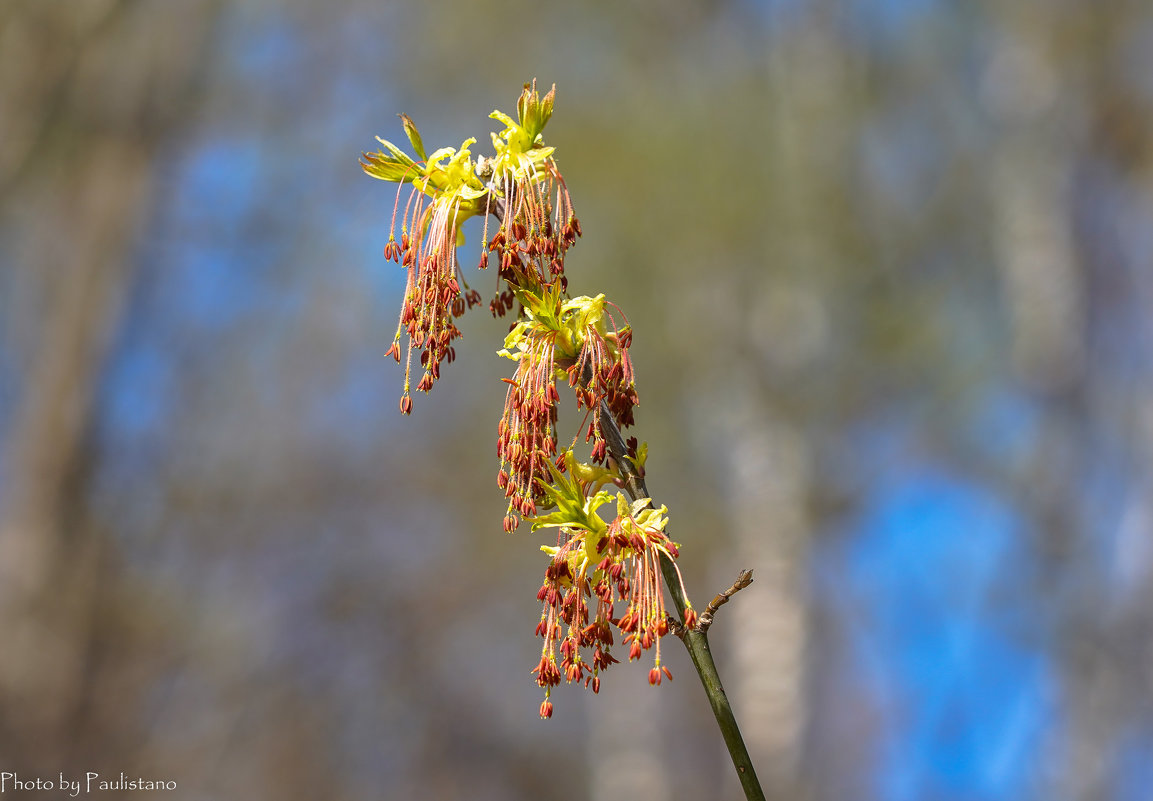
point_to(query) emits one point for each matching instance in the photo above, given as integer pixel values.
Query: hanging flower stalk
(604, 574)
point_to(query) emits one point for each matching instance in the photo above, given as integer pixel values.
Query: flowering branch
(695, 637)
(597, 565)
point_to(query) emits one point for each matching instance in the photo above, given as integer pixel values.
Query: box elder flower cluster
(597, 568)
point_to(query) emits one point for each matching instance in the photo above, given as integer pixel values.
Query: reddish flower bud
(548, 675)
(599, 451)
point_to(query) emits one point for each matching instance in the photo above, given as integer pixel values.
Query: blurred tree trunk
(91, 92)
(769, 453)
(1071, 145)
(1108, 615)
(625, 748)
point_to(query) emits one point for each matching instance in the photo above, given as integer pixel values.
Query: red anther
(599, 450)
(654, 677)
(546, 709)
(405, 404)
(547, 673)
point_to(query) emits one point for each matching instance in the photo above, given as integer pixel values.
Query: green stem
(695, 640)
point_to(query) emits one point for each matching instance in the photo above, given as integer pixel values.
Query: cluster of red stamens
(604, 373)
(526, 434)
(535, 233)
(628, 572)
(433, 298)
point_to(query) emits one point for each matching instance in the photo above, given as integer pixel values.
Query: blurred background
(889, 268)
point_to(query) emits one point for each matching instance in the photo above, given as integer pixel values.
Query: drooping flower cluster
(535, 230)
(601, 564)
(602, 372)
(429, 236)
(526, 435)
(567, 340)
(595, 565)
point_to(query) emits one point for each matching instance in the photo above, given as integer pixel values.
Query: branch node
(744, 579)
